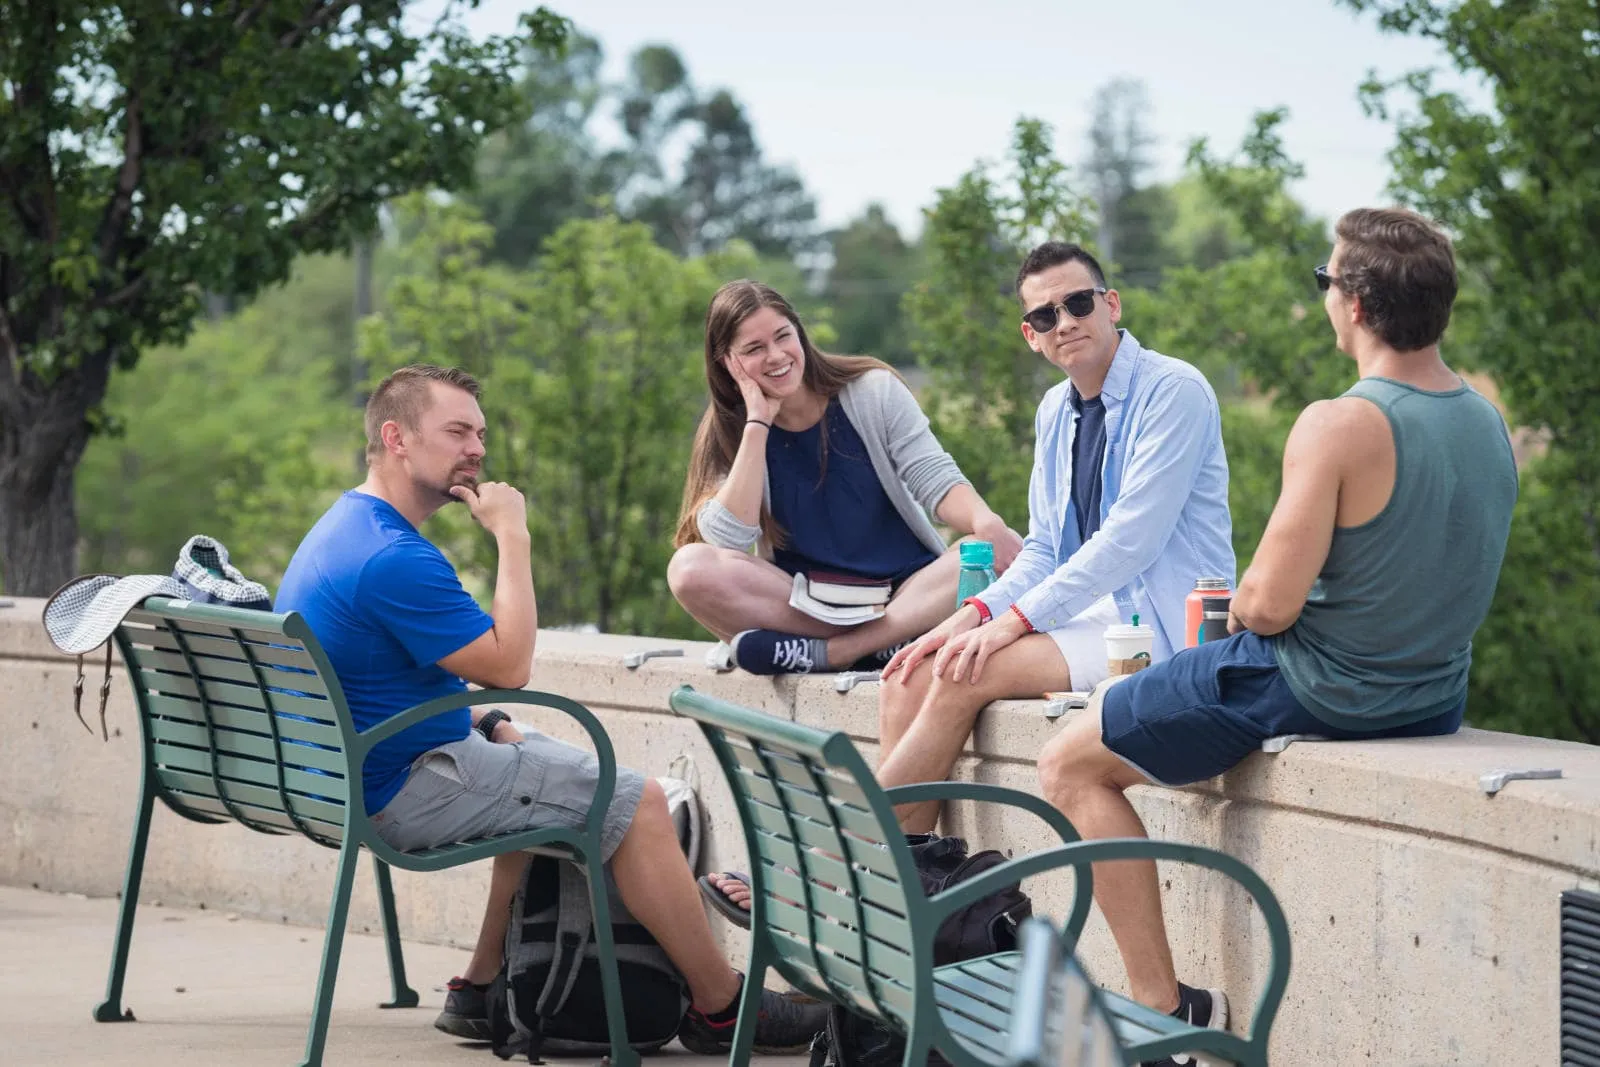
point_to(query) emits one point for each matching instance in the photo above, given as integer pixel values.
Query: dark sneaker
(877, 661)
(466, 1010)
(787, 1023)
(1205, 1008)
(774, 652)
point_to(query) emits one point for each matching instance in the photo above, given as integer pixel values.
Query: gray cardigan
(913, 467)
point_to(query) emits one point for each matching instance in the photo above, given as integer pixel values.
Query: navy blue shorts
(1207, 708)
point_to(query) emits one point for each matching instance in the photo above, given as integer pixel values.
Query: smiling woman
(820, 463)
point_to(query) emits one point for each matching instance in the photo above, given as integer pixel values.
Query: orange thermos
(1194, 607)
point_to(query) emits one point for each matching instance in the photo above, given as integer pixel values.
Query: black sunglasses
(1079, 305)
(1326, 281)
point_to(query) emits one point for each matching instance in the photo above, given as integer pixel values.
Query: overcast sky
(888, 101)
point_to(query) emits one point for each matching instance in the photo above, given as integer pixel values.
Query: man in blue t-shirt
(399, 630)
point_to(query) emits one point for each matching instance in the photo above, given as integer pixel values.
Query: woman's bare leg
(922, 602)
(728, 591)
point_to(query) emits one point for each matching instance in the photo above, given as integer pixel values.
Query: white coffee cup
(1128, 648)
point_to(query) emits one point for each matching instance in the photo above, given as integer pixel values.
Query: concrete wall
(1424, 913)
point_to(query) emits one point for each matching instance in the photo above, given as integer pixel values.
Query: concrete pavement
(211, 988)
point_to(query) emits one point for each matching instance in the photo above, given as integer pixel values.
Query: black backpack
(548, 996)
(981, 928)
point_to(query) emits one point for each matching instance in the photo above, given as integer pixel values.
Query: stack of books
(840, 599)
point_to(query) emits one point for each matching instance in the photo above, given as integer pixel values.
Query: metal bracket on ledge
(1283, 741)
(1495, 781)
(8, 603)
(1061, 703)
(634, 660)
(847, 681)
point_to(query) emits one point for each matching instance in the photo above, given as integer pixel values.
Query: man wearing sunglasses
(1128, 505)
(1356, 616)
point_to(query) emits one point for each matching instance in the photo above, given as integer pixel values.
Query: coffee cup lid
(1124, 630)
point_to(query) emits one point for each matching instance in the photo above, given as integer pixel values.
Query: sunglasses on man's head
(1079, 305)
(1325, 281)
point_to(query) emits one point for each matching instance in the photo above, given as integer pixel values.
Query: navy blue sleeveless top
(837, 518)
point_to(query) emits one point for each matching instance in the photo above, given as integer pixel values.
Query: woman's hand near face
(757, 404)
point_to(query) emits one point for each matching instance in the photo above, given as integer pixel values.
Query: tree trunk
(38, 532)
(44, 429)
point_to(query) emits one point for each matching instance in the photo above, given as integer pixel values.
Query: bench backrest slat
(242, 719)
(834, 881)
(216, 668)
(246, 744)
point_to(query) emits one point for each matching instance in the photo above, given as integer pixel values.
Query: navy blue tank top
(837, 516)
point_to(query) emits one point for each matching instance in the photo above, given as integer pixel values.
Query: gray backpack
(548, 997)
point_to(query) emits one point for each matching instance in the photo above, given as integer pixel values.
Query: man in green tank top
(1356, 616)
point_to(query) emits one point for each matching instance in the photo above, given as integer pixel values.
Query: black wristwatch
(491, 718)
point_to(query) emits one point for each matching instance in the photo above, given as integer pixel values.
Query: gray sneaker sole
(463, 1027)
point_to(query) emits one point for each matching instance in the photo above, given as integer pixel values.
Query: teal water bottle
(977, 569)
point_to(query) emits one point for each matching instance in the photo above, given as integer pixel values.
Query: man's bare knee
(898, 703)
(1077, 760)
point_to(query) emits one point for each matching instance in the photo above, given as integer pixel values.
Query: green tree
(1256, 314)
(150, 151)
(537, 174)
(873, 268)
(244, 433)
(1517, 185)
(1134, 215)
(986, 382)
(593, 384)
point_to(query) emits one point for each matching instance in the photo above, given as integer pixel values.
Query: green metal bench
(838, 910)
(242, 720)
(1057, 1016)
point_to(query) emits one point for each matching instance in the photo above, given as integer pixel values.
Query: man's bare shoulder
(1348, 426)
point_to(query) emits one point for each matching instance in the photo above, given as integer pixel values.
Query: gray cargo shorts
(476, 788)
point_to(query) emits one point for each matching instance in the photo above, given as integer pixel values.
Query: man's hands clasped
(960, 646)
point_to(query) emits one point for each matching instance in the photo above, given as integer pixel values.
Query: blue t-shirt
(837, 519)
(386, 606)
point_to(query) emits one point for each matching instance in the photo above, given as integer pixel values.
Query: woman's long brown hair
(721, 428)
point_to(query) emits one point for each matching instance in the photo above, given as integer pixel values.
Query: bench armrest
(370, 737)
(989, 794)
(1082, 853)
(1083, 896)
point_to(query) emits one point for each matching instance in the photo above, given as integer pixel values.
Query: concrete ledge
(1424, 913)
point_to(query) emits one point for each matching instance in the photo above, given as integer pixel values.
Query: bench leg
(404, 995)
(333, 943)
(744, 1031)
(110, 1010)
(622, 1053)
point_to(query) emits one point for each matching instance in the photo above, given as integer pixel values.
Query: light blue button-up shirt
(1163, 507)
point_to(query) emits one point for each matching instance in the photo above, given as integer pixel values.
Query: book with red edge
(836, 614)
(847, 590)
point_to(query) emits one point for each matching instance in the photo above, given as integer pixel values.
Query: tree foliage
(986, 382)
(689, 164)
(873, 268)
(1134, 214)
(1517, 185)
(152, 151)
(245, 433)
(593, 383)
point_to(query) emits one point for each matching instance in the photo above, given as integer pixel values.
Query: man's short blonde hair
(403, 397)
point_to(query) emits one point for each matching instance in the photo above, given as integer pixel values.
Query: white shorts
(1082, 642)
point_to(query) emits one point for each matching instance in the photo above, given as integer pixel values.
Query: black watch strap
(491, 719)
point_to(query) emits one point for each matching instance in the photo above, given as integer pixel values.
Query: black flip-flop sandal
(719, 900)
